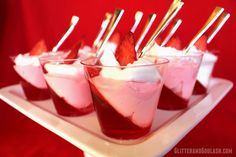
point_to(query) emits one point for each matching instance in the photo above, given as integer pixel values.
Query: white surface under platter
(169, 127)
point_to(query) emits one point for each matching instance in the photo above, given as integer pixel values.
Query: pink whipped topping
(68, 82)
(134, 100)
(181, 76)
(207, 66)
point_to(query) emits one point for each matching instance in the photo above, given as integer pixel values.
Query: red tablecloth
(24, 22)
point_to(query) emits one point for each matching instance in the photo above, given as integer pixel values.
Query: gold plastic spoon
(171, 32)
(147, 26)
(223, 18)
(214, 15)
(173, 10)
(73, 22)
(115, 20)
(103, 28)
(138, 16)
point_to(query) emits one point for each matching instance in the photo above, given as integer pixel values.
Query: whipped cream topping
(86, 52)
(158, 50)
(168, 51)
(141, 70)
(207, 57)
(110, 46)
(133, 72)
(108, 58)
(26, 59)
(207, 64)
(64, 69)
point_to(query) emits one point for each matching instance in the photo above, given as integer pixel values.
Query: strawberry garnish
(115, 38)
(125, 52)
(38, 48)
(93, 71)
(158, 41)
(91, 67)
(175, 43)
(73, 53)
(201, 44)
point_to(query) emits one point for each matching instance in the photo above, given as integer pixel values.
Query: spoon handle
(137, 18)
(173, 10)
(214, 15)
(147, 26)
(74, 21)
(171, 32)
(103, 28)
(115, 20)
(223, 18)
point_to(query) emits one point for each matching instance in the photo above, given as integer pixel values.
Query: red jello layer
(34, 93)
(65, 109)
(199, 89)
(170, 101)
(112, 123)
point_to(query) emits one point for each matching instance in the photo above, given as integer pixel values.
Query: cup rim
(162, 61)
(54, 56)
(57, 59)
(196, 54)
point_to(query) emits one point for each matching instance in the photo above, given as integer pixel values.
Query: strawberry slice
(175, 43)
(115, 38)
(38, 48)
(73, 53)
(93, 71)
(201, 44)
(158, 41)
(125, 52)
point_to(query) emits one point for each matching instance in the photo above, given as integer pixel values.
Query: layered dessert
(180, 76)
(67, 85)
(207, 65)
(125, 90)
(208, 62)
(28, 68)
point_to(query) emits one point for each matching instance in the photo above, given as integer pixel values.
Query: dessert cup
(125, 97)
(205, 73)
(180, 78)
(67, 85)
(31, 77)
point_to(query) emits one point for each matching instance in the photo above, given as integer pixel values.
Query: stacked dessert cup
(67, 85)
(125, 97)
(180, 77)
(28, 68)
(209, 60)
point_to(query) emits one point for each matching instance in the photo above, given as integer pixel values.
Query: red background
(24, 22)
